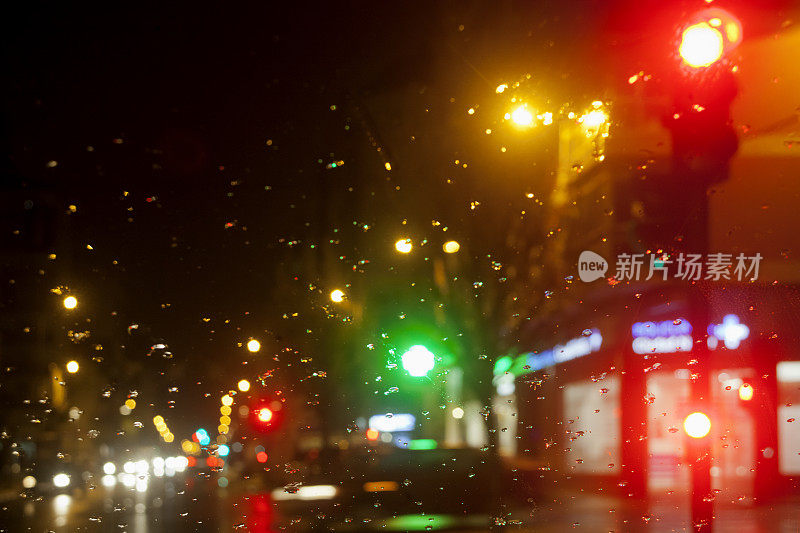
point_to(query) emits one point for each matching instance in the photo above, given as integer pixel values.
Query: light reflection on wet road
(201, 506)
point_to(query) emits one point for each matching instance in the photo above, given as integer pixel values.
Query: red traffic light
(711, 33)
(701, 45)
(264, 415)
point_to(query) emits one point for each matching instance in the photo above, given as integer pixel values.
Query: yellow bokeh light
(130, 403)
(522, 117)
(158, 420)
(746, 392)
(222, 429)
(403, 246)
(73, 367)
(500, 88)
(451, 247)
(225, 420)
(337, 296)
(70, 302)
(593, 119)
(169, 437)
(243, 385)
(225, 410)
(227, 400)
(253, 345)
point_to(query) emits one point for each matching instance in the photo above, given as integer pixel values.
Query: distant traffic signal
(264, 415)
(418, 361)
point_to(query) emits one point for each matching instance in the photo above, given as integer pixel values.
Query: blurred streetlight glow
(451, 247)
(522, 117)
(253, 345)
(227, 400)
(593, 119)
(70, 302)
(73, 367)
(403, 246)
(243, 385)
(130, 403)
(337, 296)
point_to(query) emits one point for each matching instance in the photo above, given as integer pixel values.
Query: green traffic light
(418, 361)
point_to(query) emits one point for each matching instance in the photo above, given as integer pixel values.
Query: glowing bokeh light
(746, 392)
(403, 246)
(701, 45)
(697, 425)
(264, 415)
(418, 360)
(337, 296)
(522, 117)
(451, 247)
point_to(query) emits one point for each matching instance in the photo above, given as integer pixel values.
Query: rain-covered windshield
(381, 266)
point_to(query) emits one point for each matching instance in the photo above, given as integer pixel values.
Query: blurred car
(393, 489)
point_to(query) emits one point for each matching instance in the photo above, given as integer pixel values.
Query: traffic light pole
(700, 450)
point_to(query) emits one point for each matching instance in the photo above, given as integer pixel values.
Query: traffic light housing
(703, 140)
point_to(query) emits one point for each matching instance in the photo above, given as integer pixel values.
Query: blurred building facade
(600, 382)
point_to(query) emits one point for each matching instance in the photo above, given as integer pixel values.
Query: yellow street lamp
(253, 345)
(451, 247)
(403, 246)
(73, 367)
(337, 296)
(522, 117)
(70, 302)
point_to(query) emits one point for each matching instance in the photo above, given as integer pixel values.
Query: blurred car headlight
(109, 468)
(28, 482)
(109, 480)
(61, 480)
(307, 493)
